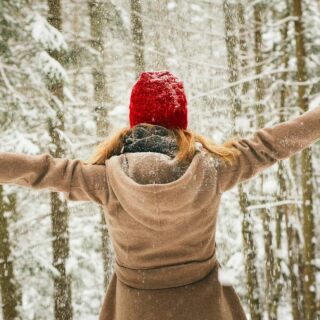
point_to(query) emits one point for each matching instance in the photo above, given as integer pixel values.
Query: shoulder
(211, 160)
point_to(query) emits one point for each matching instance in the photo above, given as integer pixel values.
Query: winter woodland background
(66, 70)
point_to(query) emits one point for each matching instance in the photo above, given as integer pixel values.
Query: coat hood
(156, 191)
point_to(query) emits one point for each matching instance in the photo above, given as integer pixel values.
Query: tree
(10, 292)
(272, 265)
(159, 34)
(8, 287)
(59, 209)
(97, 12)
(13, 101)
(309, 284)
(137, 36)
(248, 241)
(287, 210)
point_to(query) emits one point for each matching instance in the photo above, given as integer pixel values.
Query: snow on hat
(158, 98)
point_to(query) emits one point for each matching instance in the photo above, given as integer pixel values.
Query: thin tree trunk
(97, 12)
(10, 292)
(309, 283)
(160, 35)
(294, 284)
(250, 253)
(231, 44)
(271, 298)
(269, 264)
(273, 264)
(243, 45)
(248, 241)
(137, 36)
(284, 192)
(281, 211)
(298, 241)
(260, 86)
(76, 21)
(59, 209)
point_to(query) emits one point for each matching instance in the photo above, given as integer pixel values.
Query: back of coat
(162, 216)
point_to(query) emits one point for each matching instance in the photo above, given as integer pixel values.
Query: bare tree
(248, 241)
(309, 283)
(272, 264)
(287, 210)
(59, 209)
(137, 36)
(10, 292)
(97, 12)
(159, 34)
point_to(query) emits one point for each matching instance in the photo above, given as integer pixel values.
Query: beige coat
(162, 221)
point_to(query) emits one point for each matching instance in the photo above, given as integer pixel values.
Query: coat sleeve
(268, 145)
(78, 181)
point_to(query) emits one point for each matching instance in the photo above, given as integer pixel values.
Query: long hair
(186, 141)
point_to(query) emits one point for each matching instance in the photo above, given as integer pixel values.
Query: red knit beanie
(159, 98)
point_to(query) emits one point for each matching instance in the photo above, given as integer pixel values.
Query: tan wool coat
(162, 221)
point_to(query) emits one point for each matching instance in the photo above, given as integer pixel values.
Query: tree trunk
(59, 209)
(286, 210)
(76, 21)
(243, 46)
(231, 44)
(260, 86)
(161, 35)
(248, 241)
(137, 36)
(296, 242)
(10, 292)
(272, 264)
(269, 264)
(309, 283)
(294, 284)
(97, 12)
(250, 257)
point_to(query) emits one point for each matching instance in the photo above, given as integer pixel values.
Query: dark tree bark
(250, 257)
(97, 12)
(10, 291)
(243, 45)
(59, 209)
(287, 210)
(248, 241)
(309, 281)
(272, 263)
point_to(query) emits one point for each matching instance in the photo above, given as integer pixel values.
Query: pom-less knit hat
(159, 98)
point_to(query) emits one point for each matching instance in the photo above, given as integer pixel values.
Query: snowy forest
(66, 71)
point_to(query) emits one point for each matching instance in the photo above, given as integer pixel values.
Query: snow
(47, 35)
(195, 7)
(226, 277)
(187, 38)
(171, 5)
(315, 102)
(52, 67)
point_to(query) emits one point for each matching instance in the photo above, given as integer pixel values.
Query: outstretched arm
(78, 181)
(268, 145)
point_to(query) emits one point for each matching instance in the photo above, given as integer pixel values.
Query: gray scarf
(150, 139)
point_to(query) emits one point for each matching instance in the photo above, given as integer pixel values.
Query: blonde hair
(186, 141)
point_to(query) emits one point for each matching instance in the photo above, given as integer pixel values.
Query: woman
(160, 186)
